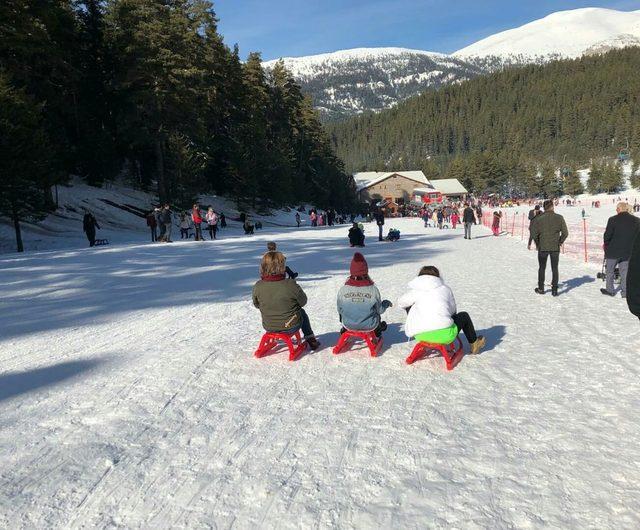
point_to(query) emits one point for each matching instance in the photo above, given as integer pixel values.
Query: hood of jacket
(431, 305)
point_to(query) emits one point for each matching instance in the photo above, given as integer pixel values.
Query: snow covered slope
(130, 398)
(349, 82)
(566, 34)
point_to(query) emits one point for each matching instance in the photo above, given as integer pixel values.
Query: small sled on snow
(293, 341)
(603, 274)
(452, 353)
(369, 337)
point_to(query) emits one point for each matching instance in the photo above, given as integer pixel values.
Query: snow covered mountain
(349, 82)
(565, 34)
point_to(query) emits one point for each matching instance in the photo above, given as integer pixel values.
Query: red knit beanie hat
(359, 265)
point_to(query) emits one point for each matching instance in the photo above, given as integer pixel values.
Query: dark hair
(548, 205)
(429, 270)
(537, 207)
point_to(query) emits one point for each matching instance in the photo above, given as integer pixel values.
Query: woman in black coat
(633, 279)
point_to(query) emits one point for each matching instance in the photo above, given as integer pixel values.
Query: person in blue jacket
(360, 305)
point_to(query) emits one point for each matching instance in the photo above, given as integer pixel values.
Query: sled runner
(452, 353)
(101, 242)
(603, 275)
(369, 337)
(294, 342)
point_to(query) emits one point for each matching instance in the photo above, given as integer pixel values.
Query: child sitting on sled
(360, 305)
(272, 247)
(433, 316)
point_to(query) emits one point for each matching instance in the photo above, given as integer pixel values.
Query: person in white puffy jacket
(433, 315)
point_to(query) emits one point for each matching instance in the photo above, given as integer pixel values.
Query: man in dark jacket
(89, 225)
(549, 231)
(468, 218)
(633, 279)
(379, 217)
(619, 236)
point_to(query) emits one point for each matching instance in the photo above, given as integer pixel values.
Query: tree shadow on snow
(574, 283)
(17, 383)
(62, 289)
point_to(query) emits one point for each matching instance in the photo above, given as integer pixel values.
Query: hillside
(565, 34)
(350, 82)
(566, 111)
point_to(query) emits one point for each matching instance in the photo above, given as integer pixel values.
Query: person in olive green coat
(548, 231)
(281, 300)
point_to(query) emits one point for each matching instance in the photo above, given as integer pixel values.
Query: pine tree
(594, 183)
(24, 154)
(612, 177)
(572, 184)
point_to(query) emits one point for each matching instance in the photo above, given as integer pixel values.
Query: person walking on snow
(184, 226)
(152, 223)
(223, 221)
(432, 312)
(549, 232)
(196, 217)
(455, 219)
(89, 225)
(281, 301)
(468, 218)
(532, 215)
(379, 217)
(360, 305)
(622, 230)
(212, 221)
(298, 219)
(165, 218)
(495, 227)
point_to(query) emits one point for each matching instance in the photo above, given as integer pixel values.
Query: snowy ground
(129, 396)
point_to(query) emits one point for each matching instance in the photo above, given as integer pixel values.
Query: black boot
(539, 290)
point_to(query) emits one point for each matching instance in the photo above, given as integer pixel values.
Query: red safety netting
(584, 241)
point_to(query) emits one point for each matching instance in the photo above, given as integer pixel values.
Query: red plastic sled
(452, 353)
(293, 341)
(374, 343)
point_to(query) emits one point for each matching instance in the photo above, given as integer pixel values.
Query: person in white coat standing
(433, 316)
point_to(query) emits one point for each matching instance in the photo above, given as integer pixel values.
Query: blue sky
(280, 28)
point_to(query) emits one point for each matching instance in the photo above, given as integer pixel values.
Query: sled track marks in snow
(183, 427)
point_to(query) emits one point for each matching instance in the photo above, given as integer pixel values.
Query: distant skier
(432, 313)
(89, 225)
(360, 305)
(298, 219)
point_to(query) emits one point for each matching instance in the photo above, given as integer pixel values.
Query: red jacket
(196, 216)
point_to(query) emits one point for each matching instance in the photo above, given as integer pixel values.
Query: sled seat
(369, 337)
(452, 353)
(293, 340)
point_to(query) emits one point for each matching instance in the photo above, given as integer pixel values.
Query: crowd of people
(160, 221)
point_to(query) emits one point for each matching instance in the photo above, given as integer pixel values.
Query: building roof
(366, 179)
(449, 187)
(424, 190)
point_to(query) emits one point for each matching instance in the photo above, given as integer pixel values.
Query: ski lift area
(624, 155)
